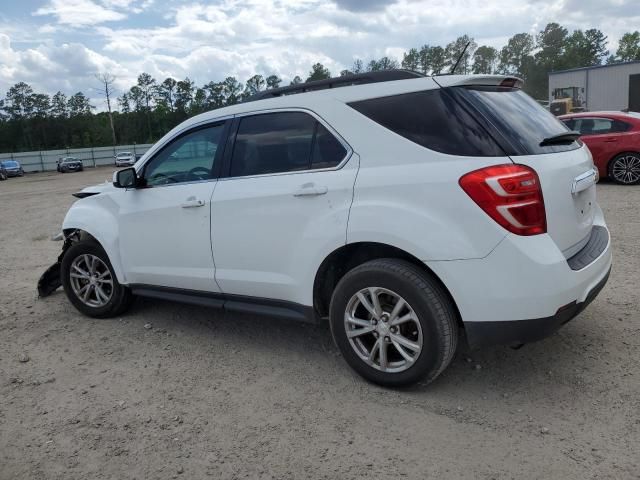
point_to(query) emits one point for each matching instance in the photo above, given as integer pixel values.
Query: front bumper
(518, 332)
(14, 173)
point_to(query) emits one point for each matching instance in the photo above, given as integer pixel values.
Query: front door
(165, 225)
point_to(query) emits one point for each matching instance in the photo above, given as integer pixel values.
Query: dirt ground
(201, 393)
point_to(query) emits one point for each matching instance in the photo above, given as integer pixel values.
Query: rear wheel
(393, 323)
(90, 282)
(625, 169)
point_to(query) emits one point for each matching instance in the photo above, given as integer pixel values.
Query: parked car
(402, 209)
(124, 159)
(12, 168)
(614, 141)
(69, 164)
(3, 173)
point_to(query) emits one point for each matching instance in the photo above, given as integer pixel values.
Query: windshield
(519, 119)
(124, 154)
(69, 159)
(9, 164)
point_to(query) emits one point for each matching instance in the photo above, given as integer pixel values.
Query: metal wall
(606, 88)
(91, 157)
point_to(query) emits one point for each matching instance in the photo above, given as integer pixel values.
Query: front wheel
(625, 169)
(393, 323)
(90, 282)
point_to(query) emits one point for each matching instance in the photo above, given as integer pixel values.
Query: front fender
(97, 216)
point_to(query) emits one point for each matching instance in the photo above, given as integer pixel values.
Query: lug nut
(387, 339)
(375, 334)
(393, 329)
(374, 322)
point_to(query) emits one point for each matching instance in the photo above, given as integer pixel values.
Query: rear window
(517, 118)
(432, 119)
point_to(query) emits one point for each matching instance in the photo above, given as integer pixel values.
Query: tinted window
(328, 152)
(283, 142)
(189, 158)
(599, 126)
(432, 119)
(517, 117)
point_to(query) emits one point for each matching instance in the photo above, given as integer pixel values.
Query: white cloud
(81, 12)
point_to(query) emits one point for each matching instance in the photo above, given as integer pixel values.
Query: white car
(403, 210)
(124, 159)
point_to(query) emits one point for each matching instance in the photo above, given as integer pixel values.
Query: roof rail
(345, 81)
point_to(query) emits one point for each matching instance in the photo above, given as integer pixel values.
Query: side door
(281, 205)
(165, 224)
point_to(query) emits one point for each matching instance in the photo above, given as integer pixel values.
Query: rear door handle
(310, 190)
(192, 202)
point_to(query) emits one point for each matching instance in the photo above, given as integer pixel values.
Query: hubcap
(383, 329)
(626, 169)
(91, 280)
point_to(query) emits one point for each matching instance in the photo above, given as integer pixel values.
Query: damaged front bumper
(50, 280)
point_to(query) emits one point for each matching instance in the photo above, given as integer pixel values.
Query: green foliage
(31, 120)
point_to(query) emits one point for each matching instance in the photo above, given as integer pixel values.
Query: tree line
(31, 120)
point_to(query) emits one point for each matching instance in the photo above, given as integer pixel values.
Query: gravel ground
(173, 391)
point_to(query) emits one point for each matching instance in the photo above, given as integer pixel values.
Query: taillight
(511, 195)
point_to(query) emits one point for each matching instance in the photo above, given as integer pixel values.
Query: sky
(61, 44)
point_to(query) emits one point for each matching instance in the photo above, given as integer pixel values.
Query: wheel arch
(349, 256)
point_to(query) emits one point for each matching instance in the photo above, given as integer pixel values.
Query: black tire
(121, 297)
(620, 163)
(436, 314)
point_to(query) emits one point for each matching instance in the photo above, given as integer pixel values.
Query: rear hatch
(563, 164)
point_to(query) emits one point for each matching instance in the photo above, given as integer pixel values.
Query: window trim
(233, 131)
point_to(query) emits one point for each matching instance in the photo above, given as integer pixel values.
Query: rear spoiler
(478, 80)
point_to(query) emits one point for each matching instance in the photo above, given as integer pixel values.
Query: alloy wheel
(626, 169)
(91, 280)
(383, 329)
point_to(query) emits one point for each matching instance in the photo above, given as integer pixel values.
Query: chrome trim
(583, 181)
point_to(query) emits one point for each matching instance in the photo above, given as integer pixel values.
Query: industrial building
(602, 87)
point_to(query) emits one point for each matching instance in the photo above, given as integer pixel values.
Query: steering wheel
(199, 173)
(160, 179)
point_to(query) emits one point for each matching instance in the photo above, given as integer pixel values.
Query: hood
(100, 188)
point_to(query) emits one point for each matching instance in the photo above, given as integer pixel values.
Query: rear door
(285, 200)
(565, 168)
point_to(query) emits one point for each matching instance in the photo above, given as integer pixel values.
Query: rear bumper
(517, 332)
(525, 288)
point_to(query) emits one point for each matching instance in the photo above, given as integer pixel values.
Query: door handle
(310, 190)
(611, 140)
(192, 203)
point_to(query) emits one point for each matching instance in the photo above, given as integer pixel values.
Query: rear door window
(283, 142)
(432, 119)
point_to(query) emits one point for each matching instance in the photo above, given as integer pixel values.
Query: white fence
(91, 157)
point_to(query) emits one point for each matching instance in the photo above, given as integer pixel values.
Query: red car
(614, 141)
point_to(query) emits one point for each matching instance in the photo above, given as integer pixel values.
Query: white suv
(123, 159)
(407, 211)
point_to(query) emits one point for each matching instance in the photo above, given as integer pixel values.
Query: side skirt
(230, 303)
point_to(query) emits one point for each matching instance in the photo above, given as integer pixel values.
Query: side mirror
(125, 178)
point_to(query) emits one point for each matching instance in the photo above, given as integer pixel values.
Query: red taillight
(511, 195)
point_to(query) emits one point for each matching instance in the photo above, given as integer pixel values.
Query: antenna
(452, 71)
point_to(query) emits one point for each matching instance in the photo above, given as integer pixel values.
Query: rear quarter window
(432, 119)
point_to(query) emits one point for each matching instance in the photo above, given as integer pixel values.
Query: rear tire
(625, 169)
(90, 283)
(415, 324)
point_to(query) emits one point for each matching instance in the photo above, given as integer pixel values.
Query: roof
(594, 67)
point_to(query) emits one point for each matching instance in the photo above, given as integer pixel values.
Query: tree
(273, 81)
(253, 85)
(296, 80)
(40, 105)
(514, 54)
(584, 49)
(629, 47)
(18, 102)
(385, 63)
(165, 93)
(215, 94)
(551, 44)
(318, 72)
(107, 90)
(461, 49)
(184, 95)
(484, 60)
(79, 105)
(411, 60)
(345, 73)
(147, 86)
(231, 90)
(436, 60)
(358, 66)
(124, 101)
(59, 107)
